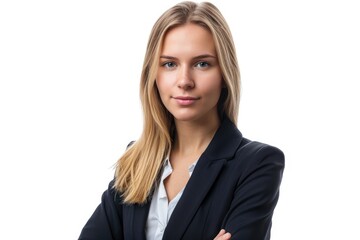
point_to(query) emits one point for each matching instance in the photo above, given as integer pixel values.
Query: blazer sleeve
(105, 223)
(256, 195)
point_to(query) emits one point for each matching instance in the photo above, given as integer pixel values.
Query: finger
(226, 236)
(222, 232)
(223, 235)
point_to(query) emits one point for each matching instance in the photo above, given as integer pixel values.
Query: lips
(185, 100)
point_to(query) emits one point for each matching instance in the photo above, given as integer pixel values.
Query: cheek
(215, 93)
(163, 82)
(159, 83)
(163, 89)
(214, 85)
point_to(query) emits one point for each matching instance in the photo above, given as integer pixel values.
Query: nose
(184, 79)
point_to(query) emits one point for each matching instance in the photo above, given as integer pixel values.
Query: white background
(69, 104)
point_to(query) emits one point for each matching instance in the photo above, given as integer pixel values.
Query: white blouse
(160, 208)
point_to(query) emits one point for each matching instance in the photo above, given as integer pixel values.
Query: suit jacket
(235, 186)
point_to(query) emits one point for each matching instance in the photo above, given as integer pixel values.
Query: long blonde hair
(138, 169)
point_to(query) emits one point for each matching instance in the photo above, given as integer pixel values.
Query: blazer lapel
(135, 216)
(221, 148)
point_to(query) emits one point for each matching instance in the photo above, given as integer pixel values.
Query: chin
(183, 118)
(187, 115)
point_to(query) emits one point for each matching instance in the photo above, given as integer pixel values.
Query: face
(189, 77)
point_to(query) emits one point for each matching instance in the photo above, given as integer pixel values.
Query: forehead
(188, 38)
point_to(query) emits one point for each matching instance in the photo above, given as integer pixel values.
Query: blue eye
(169, 65)
(202, 64)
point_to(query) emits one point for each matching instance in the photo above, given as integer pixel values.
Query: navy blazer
(235, 186)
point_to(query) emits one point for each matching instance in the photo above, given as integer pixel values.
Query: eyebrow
(197, 57)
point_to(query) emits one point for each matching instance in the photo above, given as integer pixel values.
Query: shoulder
(254, 153)
(255, 147)
(112, 194)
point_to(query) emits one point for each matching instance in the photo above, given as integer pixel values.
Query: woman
(191, 174)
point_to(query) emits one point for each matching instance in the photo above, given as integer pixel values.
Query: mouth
(185, 100)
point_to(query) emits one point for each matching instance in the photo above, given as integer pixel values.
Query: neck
(193, 137)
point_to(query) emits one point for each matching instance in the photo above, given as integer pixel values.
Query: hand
(223, 235)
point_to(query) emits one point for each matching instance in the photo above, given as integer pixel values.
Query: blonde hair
(138, 169)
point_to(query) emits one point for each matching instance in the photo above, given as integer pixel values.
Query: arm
(106, 222)
(256, 195)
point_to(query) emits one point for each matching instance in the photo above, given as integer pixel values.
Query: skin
(223, 235)
(189, 82)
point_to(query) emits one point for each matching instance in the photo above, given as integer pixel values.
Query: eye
(169, 65)
(202, 64)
